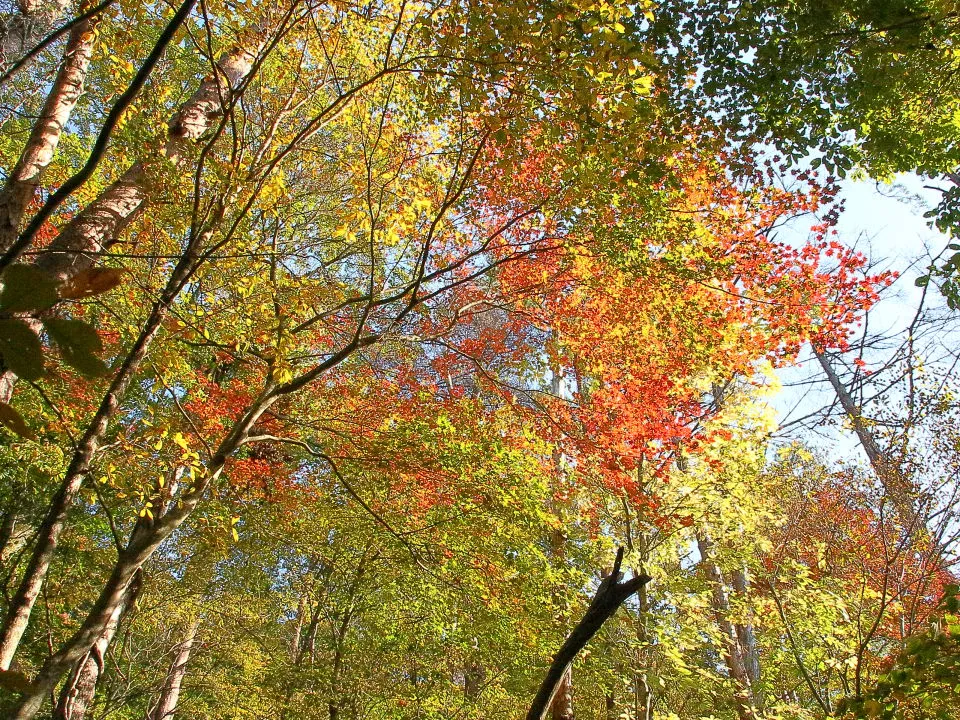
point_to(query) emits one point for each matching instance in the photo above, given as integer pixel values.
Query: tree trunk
(98, 226)
(77, 693)
(611, 594)
(45, 135)
(562, 706)
(474, 676)
(23, 29)
(48, 535)
(745, 634)
(166, 704)
(144, 541)
(897, 486)
(643, 709)
(732, 652)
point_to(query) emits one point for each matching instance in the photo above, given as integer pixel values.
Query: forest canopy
(423, 358)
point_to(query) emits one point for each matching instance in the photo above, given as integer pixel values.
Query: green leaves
(27, 289)
(30, 291)
(21, 349)
(13, 420)
(78, 343)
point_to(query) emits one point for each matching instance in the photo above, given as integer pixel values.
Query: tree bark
(22, 183)
(610, 595)
(745, 634)
(561, 708)
(732, 652)
(48, 535)
(97, 227)
(166, 704)
(77, 694)
(23, 29)
(643, 709)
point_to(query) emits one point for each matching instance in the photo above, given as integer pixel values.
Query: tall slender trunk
(561, 708)
(66, 90)
(643, 695)
(166, 704)
(144, 541)
(745, 634)
(77, 693)
(897, 486)
(48, 535)
(732, 652)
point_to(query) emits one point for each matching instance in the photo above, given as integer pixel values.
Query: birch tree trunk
(91, 231)
(77, 694)
(98, 226)
(22, 183)
(23, 29)
(561, 707)
(166, 704)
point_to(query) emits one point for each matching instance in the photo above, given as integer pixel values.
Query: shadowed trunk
(643, 708)
(610, 595)
(745, 634)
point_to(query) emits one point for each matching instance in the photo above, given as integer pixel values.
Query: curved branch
(611, 594)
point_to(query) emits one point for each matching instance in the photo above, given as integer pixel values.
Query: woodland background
(343, 343)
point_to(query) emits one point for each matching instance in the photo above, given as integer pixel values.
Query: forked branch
(611, 594)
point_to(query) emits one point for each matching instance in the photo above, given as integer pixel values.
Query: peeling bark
(20, 31)
(166, 704)
(97, 227)
(23, 181)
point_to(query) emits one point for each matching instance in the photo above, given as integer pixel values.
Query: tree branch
(611, 594)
